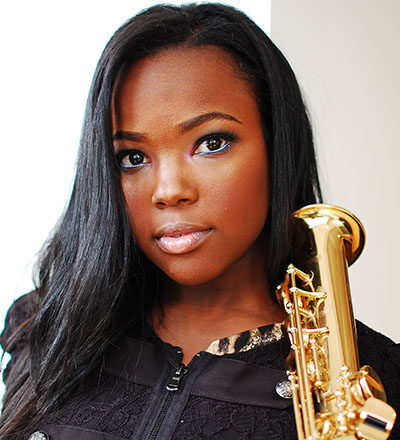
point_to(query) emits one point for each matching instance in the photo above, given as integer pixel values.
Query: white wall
(346, 57)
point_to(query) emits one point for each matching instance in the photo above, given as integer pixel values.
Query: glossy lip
(185, 237)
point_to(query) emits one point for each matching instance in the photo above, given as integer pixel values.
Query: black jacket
(146, 393)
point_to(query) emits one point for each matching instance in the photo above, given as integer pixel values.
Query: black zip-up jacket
(147, 393)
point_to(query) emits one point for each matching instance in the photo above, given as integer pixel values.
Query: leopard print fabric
(246, 340)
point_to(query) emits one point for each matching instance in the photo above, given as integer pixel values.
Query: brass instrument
(332, 397)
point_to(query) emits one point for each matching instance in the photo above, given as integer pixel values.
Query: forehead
(181, 82)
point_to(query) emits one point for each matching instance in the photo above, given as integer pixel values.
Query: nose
(174, 186)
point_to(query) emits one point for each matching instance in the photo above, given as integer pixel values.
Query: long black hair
(93, 282)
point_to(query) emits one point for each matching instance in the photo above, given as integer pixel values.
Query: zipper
(175, 381)
(160, 418)
(171, 387)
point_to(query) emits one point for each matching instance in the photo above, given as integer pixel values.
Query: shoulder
(383, 355)
(377, 349)
(14, 338)
(19, 312)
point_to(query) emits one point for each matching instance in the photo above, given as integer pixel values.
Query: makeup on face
(181, 237)
(193, 160)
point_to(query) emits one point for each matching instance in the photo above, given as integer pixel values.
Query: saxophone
(333, 398)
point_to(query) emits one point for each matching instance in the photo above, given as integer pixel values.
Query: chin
(188, 280)
(190, 276)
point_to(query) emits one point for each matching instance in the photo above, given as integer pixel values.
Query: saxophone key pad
(284, 389)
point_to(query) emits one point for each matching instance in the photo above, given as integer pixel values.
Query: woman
(196, 148)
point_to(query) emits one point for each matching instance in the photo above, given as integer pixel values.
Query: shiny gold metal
(332, 397)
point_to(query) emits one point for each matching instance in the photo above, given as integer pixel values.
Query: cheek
(137, 206)
(243, 194)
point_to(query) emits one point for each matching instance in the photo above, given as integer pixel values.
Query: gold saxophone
(332, 397)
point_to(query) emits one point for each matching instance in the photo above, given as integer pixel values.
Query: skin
(220, 287)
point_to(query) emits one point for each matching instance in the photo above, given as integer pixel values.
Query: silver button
(284, 389)
(38, 436)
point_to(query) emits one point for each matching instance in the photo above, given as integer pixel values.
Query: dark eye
(131, 159)
(214, 143)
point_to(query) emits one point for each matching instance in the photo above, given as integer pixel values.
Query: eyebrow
(205, 117)
(128, 136)
(183, 126)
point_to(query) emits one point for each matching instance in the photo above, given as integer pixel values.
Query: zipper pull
(176, 378)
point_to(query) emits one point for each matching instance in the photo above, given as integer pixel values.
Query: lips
(181, 238)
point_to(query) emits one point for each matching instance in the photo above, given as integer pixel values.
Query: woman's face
(193, 160)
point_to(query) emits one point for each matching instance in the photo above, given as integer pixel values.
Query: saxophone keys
(371, 384)
(377, 419)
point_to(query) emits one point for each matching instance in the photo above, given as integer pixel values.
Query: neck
(193, 316)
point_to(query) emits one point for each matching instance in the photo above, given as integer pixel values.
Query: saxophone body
(333, 397)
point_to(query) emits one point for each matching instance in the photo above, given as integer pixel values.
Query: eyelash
(125, 153)
(227, 138)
